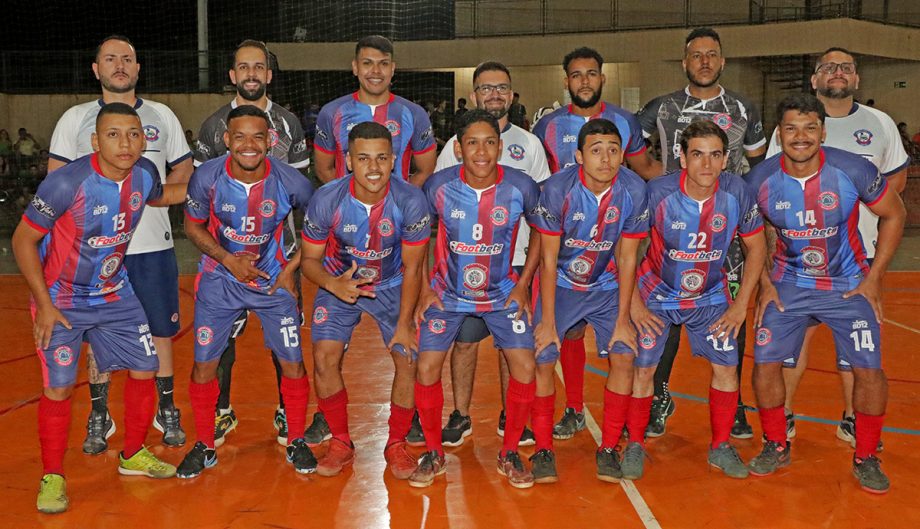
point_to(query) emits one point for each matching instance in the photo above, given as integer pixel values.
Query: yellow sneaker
(143, 463)
(52, 494)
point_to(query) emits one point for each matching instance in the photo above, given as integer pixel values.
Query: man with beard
(523, 151)
(251, 73)
(150, 259)
(872, 134)
(559, 133)
(703, 99)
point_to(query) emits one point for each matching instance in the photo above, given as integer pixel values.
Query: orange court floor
(252, 486)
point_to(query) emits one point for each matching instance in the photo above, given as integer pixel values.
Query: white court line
(901, 325)
(426, 504)
(632, 493)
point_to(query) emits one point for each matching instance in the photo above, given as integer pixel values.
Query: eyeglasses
(486, 89)
(831, 67)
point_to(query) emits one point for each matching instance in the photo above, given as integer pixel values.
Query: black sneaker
(790, 425)
(662, 408)
(99, 427)
(773, 457)
(457, 429)
(280, 423)
(740, 428)
(543, 467)
(318, 431)
(300, 455)
(225, 421)
(571, 423)
(869, 473)
(416, 437)
(608, 465)
(196, 460)
(167, 421)
(846, 431)
(527, 437)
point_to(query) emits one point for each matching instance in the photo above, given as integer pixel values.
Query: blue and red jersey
(818, 244)
(89, 221)
(246, 217)
(370, 235)
(406, 121)
(590, 226)
(559, 133)
(477, 230)
(682, 268)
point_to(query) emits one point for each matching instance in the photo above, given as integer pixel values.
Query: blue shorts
(721, 351)
(220, 301)
(334, 319)
(474, 329)
(118, 332)
(440, 328)
(574, 307)
(857, 335)
(155, 278)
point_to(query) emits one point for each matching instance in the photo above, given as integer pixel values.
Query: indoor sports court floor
(253, 488)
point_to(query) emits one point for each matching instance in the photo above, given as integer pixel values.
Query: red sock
(616, 407)
(429, 401)
(773, 422)
(296, 394)
(335, 408)
(572, 358)
(140, 397)
(868, 433)
(53, 430)
(204, 403)
(518, 402)
(637, 418)
(541, 416)
(722, 408)
(400, 422)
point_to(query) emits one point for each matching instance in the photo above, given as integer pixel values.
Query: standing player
(478, 205)
(592, 217)
(235, 210)
(413, 140)
(703, 98)
(251, 73)
(872, 134)
(521, 150)
(810, 194)
(150, 259)
(365, 241)
(558, 131)
(70, 247)
(695, 214)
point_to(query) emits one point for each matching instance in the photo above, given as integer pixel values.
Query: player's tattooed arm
(241, 265)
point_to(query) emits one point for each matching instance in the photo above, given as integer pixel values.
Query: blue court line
(806, 418)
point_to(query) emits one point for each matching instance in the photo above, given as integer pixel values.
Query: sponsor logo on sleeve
(42, 207)
(416, 227)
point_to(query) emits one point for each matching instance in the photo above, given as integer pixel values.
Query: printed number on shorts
(721, 347)
(862, 340)
(118, 222)
(291, 338)
(697, 241)
(806, 217)
(477, 231)
(249, 224)
(147, 341)
(518, 326)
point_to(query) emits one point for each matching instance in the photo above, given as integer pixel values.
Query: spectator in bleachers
(518, 113)
(6, 145)
(190, 139)
(26, 146)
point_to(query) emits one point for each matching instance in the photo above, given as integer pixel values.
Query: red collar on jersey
(268, 169)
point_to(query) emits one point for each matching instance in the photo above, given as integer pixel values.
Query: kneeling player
(694, 215)
(236, 209)
(70, 246)
(478, 205)
(586, 211)
(365, 239)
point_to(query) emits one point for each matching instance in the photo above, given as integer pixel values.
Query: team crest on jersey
(110, 265)
(764, 336)
(151, 133)
(516, 152)
(581, 266)
(273, 138)
(367, 272)
(204, 335)
(723, 120)
(718, 222)
(134, 201)
(814, 257)
(392, 126)
(475, 276)
(437, 326)
(611, 215)
(320, 314)
(385, 227)
(647, 341)
(692, 280)
(499, 216)
(267, 208)
(63, 356)
(863, 137)
(827, 200)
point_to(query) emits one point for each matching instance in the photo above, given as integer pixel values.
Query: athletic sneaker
(224, 422)
(416, 437)
(662, 408)
(511, 466)
(571, 423)
(430, 465)
(633, 464)
(608, 465)
(740, 428)
(280, 423)
(52, 494)
(846, 431)
(773, 457)
(144, 463)
(726, 459)
(339, 456)
(869, 473)
(300, 455)
(196, 460)
(167, 421)
(457, 429)
(400, 461)
(527, 437)
(543, 466)
(99, 427)
(318, 431)
(790, 425)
